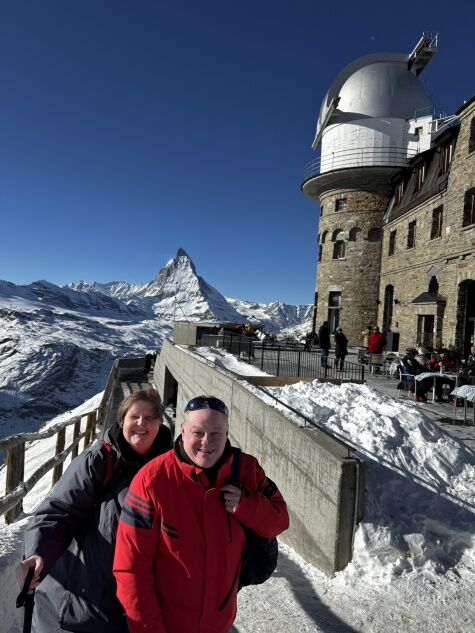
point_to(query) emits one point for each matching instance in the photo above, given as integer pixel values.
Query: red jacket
(178, 552)
(376, 342)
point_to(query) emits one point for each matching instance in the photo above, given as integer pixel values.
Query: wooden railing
(14, 445)
(16, 488)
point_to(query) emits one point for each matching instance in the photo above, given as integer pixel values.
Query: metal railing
(360, 157)
(289, 359)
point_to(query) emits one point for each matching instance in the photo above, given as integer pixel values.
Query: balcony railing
(360, 157)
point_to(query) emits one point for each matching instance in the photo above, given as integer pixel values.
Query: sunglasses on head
(205, 402)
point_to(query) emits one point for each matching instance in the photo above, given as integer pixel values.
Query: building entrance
(465, 333)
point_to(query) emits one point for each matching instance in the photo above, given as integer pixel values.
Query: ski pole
(27, 600)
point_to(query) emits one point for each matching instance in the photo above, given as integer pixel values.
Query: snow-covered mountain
(57, 345)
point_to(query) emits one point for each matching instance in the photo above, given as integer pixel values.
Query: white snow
(413, 568)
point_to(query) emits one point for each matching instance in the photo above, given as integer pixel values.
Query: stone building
(396, 187)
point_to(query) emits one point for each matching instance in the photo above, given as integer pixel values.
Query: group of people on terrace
(142, 535)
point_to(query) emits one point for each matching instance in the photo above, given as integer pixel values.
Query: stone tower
(372, 121)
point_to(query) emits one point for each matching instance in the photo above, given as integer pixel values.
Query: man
(325, 346)
(180, 539)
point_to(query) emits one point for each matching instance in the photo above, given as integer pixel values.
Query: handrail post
(58, 470)
(15, 475)
(89, 430)
(298, 363)
(76, 432)
(278, 360)
(262, 354)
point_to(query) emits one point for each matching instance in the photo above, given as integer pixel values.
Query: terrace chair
(375, 362)
(406, 381)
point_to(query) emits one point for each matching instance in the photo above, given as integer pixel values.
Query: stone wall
(451, 257)
(356, 276)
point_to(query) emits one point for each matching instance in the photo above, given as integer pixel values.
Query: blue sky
(130, 129)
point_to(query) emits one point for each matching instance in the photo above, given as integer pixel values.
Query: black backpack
(260, 554)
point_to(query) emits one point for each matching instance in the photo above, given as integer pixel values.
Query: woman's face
(141, 426)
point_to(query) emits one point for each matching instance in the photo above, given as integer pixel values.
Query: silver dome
(377, 86)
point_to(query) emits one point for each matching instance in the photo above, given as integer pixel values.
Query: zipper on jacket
(230, 592)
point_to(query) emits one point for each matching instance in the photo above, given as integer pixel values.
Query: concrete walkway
(448, 417)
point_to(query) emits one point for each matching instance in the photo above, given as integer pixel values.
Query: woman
(70, 541)
(341, 349)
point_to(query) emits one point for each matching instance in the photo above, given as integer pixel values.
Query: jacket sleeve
(135, 552)
(64, 512)
(262, 507)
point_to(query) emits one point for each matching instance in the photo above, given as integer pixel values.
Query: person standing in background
(341, 349)
(325, 345)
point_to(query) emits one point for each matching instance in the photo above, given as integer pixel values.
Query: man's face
(204, 434)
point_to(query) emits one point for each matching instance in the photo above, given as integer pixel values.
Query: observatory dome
(375, 86)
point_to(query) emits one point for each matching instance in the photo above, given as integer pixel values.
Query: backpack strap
(107, 446)
(234, 476)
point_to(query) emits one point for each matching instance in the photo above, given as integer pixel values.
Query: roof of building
(429, 297)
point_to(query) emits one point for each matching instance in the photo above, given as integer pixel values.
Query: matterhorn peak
(181, 265)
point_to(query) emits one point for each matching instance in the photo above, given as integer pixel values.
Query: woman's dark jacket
(341, 345)
(324, 337)
(74, 530)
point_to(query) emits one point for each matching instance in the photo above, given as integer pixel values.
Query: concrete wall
(317, 475)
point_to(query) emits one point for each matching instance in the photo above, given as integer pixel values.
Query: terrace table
(434, 375)
(467, 394)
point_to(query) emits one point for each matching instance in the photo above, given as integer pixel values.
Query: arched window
(336, 234)
(355, 234)
(388, 307)
(324, 236)
(433, 285)
(339, 249)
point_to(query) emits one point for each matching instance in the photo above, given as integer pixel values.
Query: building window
(320, 249)
(433, 285)
(411, 234)
(324, 236)
(388, 307)
(341, 204)
(419, 175)
(339, 249)
(392, 243)
(446, 157)
(436, 227)
(321, 210)
(469, 208)
(418, 132)
(471, 142)
(425, 330)
(399, 192)
(354, 234)
(334, 307)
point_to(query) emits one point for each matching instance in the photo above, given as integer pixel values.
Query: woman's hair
(148, 395)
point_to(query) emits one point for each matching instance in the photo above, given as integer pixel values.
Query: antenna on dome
(423, 52)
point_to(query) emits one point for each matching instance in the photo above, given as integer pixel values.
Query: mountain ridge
(57, 344)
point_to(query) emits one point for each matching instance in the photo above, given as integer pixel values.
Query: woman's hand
(37, 563)
(231, 496)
